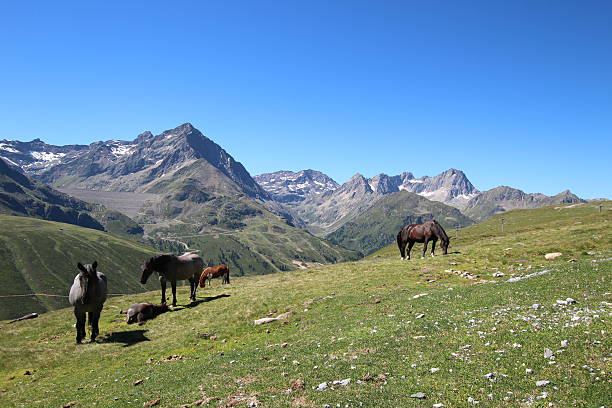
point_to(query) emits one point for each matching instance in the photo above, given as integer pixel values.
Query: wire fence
(63, 296)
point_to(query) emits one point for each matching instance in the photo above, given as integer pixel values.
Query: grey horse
(87, 295)
(172, 268)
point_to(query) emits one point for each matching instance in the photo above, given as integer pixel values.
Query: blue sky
(513, 93)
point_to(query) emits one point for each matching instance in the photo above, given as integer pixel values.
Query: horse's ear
(81, 267)
(94, 265)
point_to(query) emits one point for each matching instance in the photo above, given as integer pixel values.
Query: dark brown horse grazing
(214, 272)
(428, 231)
(174, 267)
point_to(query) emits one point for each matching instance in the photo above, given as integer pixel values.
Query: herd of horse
(89, 289)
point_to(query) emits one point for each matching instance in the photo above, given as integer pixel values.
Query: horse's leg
(173, 283)
(410, 244)
(80, 325)
(433, 247)
(192, 291)
(425, 247)
(227, 278)
(162, 281)
(94, 318)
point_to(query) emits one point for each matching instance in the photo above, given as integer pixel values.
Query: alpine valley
(180, 190)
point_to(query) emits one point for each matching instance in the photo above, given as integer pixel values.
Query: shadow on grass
(128, 338)
(200, 301)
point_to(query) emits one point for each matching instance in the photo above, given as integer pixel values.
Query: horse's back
(187, 266)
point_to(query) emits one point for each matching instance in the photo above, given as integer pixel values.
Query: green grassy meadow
(38, 256)
(394, 328)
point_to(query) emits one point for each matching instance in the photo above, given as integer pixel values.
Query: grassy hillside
(503, 198)
(395, 328)
(38, 256)
(379, 225)
(239, 232)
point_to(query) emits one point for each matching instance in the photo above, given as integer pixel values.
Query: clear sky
(513, 93)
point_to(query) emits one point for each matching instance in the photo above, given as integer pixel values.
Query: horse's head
(445, 245)
(147, 270)
(87, 272)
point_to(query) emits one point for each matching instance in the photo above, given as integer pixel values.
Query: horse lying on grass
(215, 272)
(141, 312)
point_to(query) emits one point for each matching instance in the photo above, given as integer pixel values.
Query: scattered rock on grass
(418, 395)
(542, 383)
(553, 255)
(323, 386)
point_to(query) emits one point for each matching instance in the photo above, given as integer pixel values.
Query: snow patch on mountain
(5, 147)
(122, 150)
(47, 156)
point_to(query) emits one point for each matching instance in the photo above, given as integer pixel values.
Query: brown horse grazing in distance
(428, 231)
(172, 268)
(214, 272)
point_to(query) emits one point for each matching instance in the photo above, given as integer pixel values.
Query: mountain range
(185, 191)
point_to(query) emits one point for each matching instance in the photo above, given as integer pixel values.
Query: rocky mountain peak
(290, 187)
(356, 183)
(384, 184)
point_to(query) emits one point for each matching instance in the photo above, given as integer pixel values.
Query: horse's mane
(440, 231)
(159, 261)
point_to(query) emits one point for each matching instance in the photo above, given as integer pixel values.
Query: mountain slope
(39, 256)
(378, 226)
(21, 195)
(503, 198)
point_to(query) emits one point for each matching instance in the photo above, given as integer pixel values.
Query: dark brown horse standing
(172, 268)
(428, 231)
(214, 272)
